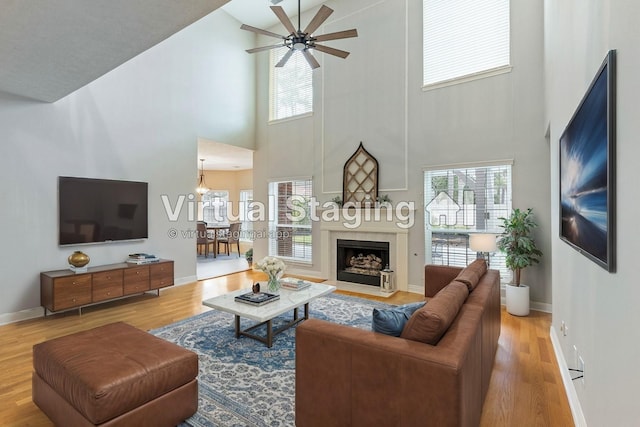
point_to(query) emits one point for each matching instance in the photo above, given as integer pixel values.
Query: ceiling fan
(302, 41)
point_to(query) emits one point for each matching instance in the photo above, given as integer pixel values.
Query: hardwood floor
(526, 388)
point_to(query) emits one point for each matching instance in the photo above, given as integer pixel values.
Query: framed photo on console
(587, 170)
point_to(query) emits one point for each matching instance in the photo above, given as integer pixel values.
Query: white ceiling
(257, 13)
(51, 48)
(219, 156)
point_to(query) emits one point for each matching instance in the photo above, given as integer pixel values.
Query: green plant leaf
(516, 241)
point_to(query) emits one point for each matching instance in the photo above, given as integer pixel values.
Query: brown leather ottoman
(114, 375)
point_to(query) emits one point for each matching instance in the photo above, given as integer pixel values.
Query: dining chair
(203, 238)
(233, 236)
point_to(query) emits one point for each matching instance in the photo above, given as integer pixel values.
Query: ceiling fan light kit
(302, 41)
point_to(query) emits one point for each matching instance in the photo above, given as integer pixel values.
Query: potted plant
(518, 244)
(249, 256)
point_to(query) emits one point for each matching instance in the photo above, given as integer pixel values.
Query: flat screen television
(101, 210)
(587, 171)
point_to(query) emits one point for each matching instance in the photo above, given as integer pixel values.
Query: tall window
(246, 199)
(291, 88)
(460, 201)
(214, 206)
(464, 38)
(290, 219)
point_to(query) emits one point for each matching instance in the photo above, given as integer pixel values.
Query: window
(214, 206)
(459, 201)
(291, 88)
(246, 199)
(464, 38)
(290, 219)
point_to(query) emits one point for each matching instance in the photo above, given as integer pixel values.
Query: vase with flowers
(274, 267)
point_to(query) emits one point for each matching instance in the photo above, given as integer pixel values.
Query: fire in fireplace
(360, 261)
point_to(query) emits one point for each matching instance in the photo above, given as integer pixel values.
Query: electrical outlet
(575, 357)
(581, 368)
(563, 329)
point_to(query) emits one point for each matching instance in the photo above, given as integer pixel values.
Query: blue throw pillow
(391, 321)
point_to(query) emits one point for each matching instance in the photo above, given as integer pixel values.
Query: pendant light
(202, 186)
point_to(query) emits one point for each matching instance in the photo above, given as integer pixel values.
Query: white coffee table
(264, 314)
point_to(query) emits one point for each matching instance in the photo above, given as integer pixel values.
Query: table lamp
(483, 243)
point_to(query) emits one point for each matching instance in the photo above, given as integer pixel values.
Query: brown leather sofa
(353, 377)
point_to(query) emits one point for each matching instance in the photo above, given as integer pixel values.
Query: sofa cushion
(429, 323)
(391, 321)
(471, 275)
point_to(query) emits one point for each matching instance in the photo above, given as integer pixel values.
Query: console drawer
(136, 279)
(161, 275)
(71, 292)
(107, 285)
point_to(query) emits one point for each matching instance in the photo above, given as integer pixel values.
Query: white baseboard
(185, 280)
(574, 402)
(535, 305)
(30, 313)
(541, 306)
(416, 289)
(312, 274)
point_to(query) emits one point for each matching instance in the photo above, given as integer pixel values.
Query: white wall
(138, 122)
(599, 308)
(376, 96)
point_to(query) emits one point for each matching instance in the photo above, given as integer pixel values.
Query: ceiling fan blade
(285, 58)
(317, 20)
(331, 51)
(282, 16)
(260, 31)
(313, 62)
(260, 49)
(337, 35)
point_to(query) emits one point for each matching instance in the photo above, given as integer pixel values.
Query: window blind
(291, 88)
(214, 206)
(246, 199)
(290, 222)
(464, 37)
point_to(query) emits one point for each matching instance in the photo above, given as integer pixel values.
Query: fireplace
(360, 261)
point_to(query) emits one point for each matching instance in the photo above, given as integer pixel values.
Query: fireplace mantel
(382, 230)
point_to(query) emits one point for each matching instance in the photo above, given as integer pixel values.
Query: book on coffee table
(294, 284)
(258, 298)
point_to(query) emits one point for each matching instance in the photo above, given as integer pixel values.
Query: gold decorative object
(78, 259)
(360, 178)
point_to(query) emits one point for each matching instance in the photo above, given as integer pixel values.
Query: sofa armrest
(350, 376)
(437, 277)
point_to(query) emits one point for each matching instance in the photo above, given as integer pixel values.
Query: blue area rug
(242, 382)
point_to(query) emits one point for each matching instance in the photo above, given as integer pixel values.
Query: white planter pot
(518, 300)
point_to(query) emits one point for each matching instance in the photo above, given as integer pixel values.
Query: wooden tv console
(64, 290)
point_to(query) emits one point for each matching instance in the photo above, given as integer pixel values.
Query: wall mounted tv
(101, 210)
(587, 170)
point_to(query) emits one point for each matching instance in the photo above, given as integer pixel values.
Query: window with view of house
(290, 219)
(461, 201)
(291, 87)
(464, 39)
(214, 206)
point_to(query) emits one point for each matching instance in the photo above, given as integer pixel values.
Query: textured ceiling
(257, 13)
(50, 48)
